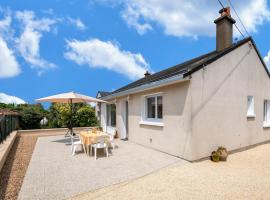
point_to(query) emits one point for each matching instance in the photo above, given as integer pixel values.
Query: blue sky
(50, 47)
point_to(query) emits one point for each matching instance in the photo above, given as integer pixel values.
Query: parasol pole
(71, 119)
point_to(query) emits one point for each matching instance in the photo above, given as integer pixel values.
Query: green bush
(30, 114)
(85, 116)
(60, 115)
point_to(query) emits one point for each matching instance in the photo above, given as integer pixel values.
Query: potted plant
(223, 153)
(215, 156)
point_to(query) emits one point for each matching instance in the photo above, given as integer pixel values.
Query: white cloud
(29, 41)
(49, 11)
(132, 19)
(190, 18)
(267, 60)
(7, 99)
(77, 22)
(9, 66)
(105, 54)
(5, 23)
(254, 13)
(6, 31)
(92, 104)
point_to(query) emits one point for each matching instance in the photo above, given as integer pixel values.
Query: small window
(250, 106)
(154, 107)
(266, 113)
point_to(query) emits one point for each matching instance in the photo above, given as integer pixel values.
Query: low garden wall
(6, 146)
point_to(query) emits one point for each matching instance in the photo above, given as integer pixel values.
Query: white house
(188, 110)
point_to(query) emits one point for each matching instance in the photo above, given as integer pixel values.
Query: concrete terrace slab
(53, 173)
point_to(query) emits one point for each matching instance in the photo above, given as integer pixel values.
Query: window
(153, 107)
(266, 113)
(250, 106)
(111, 115)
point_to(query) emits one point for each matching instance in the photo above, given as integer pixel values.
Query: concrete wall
(51, 131)
(219, 103)
(5, 148)
(174, 137)
(103, 116)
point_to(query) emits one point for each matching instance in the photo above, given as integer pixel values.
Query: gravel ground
(53, 173)
(244, 176)
(15, 167)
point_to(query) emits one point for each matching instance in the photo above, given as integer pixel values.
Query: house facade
(221, 98)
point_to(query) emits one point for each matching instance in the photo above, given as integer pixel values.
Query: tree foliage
(83, 115)
(30, 114)
(58, 115)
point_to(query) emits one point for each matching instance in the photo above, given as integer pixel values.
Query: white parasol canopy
(69, 97)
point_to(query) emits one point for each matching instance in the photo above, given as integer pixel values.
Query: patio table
(88, 138)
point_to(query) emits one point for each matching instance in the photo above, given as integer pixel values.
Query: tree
(85, 116)
(31, 115)
(60, 115)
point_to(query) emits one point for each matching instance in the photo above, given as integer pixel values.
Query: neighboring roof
(188, 67)
(102, 94)
(8, 112)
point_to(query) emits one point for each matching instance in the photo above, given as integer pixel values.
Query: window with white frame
(111, 115)
(153, 108)
(266, 113)
(250, 106)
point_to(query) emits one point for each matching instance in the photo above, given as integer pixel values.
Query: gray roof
(102, 94)
(188, 67)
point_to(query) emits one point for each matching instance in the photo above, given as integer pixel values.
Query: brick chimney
(224, 29)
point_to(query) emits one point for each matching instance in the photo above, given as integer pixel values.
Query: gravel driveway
(53, 173)
(244, 176)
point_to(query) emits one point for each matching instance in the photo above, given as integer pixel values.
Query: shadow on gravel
(6, 171)
(15, 167)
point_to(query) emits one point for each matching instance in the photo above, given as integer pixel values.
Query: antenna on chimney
(147, 74)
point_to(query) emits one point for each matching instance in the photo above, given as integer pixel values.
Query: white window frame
(266, 113)
(250, 106)
(151, 121)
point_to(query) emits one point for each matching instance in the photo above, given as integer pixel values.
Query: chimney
(146, 74)
(224, 29)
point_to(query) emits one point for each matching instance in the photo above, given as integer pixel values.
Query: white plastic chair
(112, 135)
(101, 144)
(76, 144)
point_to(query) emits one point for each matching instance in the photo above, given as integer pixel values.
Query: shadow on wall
(218, 87)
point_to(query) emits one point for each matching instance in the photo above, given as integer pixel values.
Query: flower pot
(215, 156)
(223, 153)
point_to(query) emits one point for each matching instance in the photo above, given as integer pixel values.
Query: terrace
(40, 166)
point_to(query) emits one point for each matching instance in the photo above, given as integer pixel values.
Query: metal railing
(8, 124)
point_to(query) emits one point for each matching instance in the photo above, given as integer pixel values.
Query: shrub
(30, 115)
(60, 115)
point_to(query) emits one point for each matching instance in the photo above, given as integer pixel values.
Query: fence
(8, 123)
